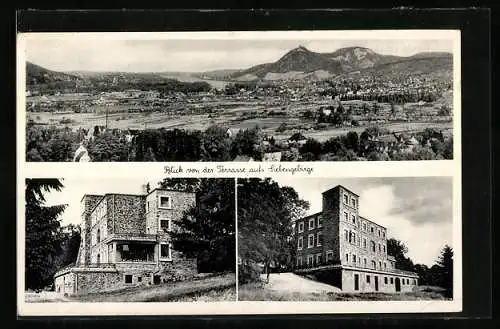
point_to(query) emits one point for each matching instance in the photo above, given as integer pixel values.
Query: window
(311, 223)
(383, 234)
(319, 239)
(128, 278)
(165, 202)
(346, 199)
(98, 261)
(165, 225)
(347, 257)
(392, 280)
(346, 216)
(354, 259)
(385, 265)
(139, 279)
(383, 248)
(364, 243)
(403, 282)
(378, 232)
(165, 252)
(374, 264)
(380, 265)
(301, 227)
(371, 229)
(300, 243)
(147, 206)
(329, 256)
(346, 235)
(414, 281)
(351, 237)
(310, 241)
(379, 247)
(353, 218)
(320, 221)
(372, 246)
(367, 278)
(385, 280)
(318, 259)
(364, 226)
(310, 260)
(364, 261)
(353, 202)
(98, 235)
(299, 261)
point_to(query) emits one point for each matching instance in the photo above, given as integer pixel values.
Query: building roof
(339, 186)
(374, 223)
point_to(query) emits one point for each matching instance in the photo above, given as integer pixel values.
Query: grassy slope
(211, 288)
(258, 292)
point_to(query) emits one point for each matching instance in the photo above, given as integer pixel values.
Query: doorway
(156, 279)
(398, 284)
(356, 281)
(376, 283)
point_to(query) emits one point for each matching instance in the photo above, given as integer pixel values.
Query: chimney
(145, 188)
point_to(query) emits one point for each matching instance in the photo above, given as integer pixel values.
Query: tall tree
(43, 238)
(445, 263)
(399, 250)
(266, 212)
(207, 230)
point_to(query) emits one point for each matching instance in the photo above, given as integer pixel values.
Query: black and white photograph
(346, 239)
(240, 96)
(150, 239)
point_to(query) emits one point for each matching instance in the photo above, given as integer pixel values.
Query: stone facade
(126, 241)
(352, 247)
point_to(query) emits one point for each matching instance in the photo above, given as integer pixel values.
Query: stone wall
(88, 204)
(127, 214)
(65, 284)
(180, 202)
(94, 281)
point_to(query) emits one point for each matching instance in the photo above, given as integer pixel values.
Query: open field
(236, 118)
(211, 288)
(260, 292)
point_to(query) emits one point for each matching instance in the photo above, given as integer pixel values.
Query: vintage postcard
(208, 173)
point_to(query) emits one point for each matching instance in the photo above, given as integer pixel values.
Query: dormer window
(165, 202)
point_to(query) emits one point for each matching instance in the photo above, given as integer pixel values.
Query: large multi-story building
(348, 249)
(125, 240)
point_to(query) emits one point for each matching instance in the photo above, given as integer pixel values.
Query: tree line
(214, 144)
(49, 246)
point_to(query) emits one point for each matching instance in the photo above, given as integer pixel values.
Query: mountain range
(298, 63)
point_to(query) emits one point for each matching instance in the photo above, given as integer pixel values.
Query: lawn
(258, 292)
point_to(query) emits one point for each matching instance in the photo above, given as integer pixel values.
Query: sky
(78, 53)
(416, 210)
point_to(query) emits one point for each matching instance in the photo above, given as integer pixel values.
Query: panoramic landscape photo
(231, 98)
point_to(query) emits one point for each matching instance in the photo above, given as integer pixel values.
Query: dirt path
(289, 282)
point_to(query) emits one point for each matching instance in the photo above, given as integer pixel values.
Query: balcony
(140, 237)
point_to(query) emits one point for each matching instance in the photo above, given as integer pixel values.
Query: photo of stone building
(348, 248)
(125, 242)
